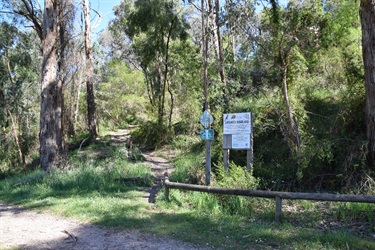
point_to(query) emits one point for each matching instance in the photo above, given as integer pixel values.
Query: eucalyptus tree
(241, 33)
(368, 48)
(289, 38)
(210, 39)
(91, 107)
(152, 27)
(122, 96)
(50, 29)
(18, 85)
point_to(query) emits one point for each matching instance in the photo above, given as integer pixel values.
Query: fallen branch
(70, 236)
(80, 146)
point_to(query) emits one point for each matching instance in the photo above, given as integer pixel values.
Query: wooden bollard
(166, 188)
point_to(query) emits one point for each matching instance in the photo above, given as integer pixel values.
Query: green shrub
(152, 135)
(189, 168)
(237, 177)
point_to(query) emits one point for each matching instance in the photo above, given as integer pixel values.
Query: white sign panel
(241, 141)
(206, 119)
(237, 123)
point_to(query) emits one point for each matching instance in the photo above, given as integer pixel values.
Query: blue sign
(207, 134)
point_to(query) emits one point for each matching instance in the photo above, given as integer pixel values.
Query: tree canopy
(301, 67)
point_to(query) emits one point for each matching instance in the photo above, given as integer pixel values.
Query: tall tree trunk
(14, 129)
(90, 73)
(367, 13)
(76, 106)
(50, 134)
(13, 122)
(159, 90)
(166, 73)
(286, 95)
(172, 105)
(150, 87)
(221, 57)
(292, 131)
(205, 55)
(232, 33)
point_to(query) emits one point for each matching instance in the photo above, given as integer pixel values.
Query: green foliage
(18, 98)
(237, 177)
(153, 27)
(340, 24)
(332, 136)
(321, 52)
(355, 211)
(189, 168)
(122, 97)
(152, 135)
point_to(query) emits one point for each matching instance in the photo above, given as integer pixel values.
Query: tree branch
(31, 16)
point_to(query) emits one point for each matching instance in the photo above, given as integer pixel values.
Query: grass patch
(90, 190)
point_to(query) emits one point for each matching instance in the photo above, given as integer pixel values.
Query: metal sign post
(207, 134)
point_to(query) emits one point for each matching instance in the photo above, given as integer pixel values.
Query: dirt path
(23, 229)
(159, 166)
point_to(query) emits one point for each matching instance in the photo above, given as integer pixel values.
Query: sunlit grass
(93, 192)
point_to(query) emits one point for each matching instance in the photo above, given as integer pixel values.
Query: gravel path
(24, 229)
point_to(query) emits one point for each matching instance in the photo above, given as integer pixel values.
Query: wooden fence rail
(278, 196)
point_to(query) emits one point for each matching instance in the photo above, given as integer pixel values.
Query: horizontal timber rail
(269, 194)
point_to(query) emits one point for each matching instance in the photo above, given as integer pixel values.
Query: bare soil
(24, 229)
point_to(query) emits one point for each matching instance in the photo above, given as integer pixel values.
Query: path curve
(24, 229)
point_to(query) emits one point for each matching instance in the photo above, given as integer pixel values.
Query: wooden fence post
(278, 208)
(250, 152)
(249, 164)
(226, 159)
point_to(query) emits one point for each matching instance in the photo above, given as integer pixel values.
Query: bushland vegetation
(297, 66)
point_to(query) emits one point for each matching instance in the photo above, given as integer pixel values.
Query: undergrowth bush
(133, 154)
(152, 135)
(236, 177)
(331, 127)
(355, 211)
(189, 168)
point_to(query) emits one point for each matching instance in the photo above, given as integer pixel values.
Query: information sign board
(237, 123)
(241, 141)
